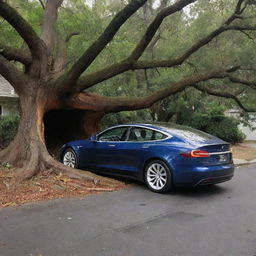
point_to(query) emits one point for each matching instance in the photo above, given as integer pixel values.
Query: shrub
(217, 124)
(8, 129)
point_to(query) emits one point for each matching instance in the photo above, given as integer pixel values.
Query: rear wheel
(158, 177)
(69, 158)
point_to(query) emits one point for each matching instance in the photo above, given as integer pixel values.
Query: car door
(138, 148)
(104, 153)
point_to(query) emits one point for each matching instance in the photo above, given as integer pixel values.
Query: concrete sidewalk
(239, 162)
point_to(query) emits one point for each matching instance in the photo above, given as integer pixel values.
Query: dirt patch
(42, 188)
(244, 152)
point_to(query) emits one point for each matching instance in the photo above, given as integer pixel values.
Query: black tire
(71, 159)
(159, 168)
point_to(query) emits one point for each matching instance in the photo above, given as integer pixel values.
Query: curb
(241, 162)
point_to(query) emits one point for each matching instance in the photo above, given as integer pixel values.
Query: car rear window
(185, 132)
(159, 136)
(191, 134)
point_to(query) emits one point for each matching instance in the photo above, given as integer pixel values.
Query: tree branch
(13, 54)
(238, 80)
(116, 104)
(61, 52)
(96, 77)
(34, 43)
(94, 50)
(163, 4)
(239, 5)
(239, 9)
(249, 36)
(201, 43)
(15, 77)
(68, 37)
(49, 22)
(128, 64)
(154, 41)
(42, 4)
(153, 27)
(224, 95)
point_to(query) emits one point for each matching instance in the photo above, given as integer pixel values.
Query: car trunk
(219, 154)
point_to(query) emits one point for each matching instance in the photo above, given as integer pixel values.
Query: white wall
(250, 134)
(9, 106)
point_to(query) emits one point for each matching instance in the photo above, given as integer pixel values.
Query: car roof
(185, 133)
(146, 125)
(167, 127)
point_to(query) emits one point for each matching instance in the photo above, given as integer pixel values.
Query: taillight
(196, 153)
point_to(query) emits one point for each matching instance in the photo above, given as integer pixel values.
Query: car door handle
(112, 145)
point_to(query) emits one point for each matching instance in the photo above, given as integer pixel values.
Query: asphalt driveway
(215, 221)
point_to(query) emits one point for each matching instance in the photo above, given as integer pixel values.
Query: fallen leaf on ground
(47, 188)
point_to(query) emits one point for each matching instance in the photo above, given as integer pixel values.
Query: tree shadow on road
(196, 192)
(201, 191)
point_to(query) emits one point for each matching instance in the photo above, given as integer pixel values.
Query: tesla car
(162, 155)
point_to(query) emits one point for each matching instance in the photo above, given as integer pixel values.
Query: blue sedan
(160, 154)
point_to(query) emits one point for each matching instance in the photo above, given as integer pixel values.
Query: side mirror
(93, 138)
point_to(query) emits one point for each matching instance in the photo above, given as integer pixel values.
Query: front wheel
(158, 177)
(69, 158)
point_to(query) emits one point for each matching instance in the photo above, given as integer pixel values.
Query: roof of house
(6, 90)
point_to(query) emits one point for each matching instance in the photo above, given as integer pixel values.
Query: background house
(8, 98)
(249, 133)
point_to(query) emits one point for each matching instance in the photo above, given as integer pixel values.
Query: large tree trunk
(41, 121)
(28, 147)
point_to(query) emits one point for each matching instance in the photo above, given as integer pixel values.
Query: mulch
(41, 188)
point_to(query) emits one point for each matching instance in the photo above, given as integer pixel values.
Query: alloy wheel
(69, 158)
(156, 176)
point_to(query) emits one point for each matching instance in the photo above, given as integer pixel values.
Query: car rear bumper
(213, 180)
(205, 175)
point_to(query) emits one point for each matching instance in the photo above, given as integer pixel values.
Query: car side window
(116, 134)
(140, 134)
(143, 134)
(159, 136)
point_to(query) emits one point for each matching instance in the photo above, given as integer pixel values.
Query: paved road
(216, 221)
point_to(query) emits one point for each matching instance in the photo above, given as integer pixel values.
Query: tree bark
(28, 145)
(40, 110)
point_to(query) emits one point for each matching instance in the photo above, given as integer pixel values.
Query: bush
(217, 124)
(8, 129)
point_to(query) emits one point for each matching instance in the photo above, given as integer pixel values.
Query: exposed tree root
(58, 168)
(6, 154)
(40, 162)
(29, 155)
